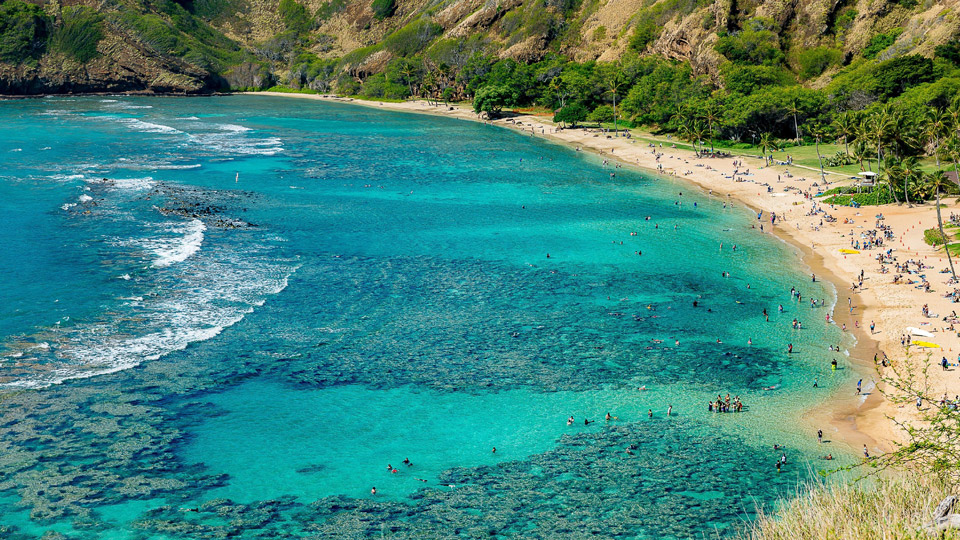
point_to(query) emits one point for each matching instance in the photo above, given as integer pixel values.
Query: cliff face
(193, 46)
(123, 66)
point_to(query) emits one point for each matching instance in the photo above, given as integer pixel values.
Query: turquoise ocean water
(227, 316)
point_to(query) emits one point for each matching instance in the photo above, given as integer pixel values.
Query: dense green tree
(23, 28)
(572, 114)
(748, 79)
(757, 44)
(493, 98)
(893, 77)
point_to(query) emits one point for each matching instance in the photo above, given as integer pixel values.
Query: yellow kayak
(853, 251)
(926, 344)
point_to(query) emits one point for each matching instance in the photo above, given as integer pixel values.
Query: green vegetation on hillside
(23, 29)
(80, 33)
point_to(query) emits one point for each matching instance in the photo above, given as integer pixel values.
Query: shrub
(880, 42)
(330, 8)
(603, 113)
(815, 61)
(383, 8)
(878, 196)
(894, 76)
(844, 20)
(644, 33)
(756, 44)
(377, 86)
(23, 28)
(295, 16)
(949, 51)
(80, 33)
(933, 237)
(412, 38)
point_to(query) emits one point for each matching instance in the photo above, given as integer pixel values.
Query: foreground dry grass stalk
(892, 508)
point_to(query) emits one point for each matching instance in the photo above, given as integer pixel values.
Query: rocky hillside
(193, 46)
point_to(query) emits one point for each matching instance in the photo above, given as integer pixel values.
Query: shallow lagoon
(364, 287)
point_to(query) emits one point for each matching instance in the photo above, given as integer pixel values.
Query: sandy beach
(785, 190)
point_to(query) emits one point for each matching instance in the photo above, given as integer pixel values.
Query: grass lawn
(804, 155)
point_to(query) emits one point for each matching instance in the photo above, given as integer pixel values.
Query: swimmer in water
(373, 491)
(570, 421)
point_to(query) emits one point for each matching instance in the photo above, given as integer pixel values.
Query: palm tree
(953, 111)
(908, 172)
(794, 110)
(879, 128)
(846, 126)
(936, 126)
(951, 150)
(712, 116)
(613, 80)
(937, 181)
(697, 132)
(767, 143)
(819, 132)
(559, 90)
(861, 152)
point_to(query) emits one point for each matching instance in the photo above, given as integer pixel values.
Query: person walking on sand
(866, 453)
(859, 384)
(820, 436)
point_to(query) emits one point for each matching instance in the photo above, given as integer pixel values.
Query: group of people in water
(722, 405)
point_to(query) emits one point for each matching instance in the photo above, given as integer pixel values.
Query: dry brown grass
(893, 508)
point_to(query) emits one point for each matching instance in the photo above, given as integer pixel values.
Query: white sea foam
(66, 177)
(153, 165)
(125, 277)
(148, 127)
(178, 250)
(128, 184)
(108, 101)
(218, 292)
(17, 150)
(85, 198)
(233, 127)
(67, 206)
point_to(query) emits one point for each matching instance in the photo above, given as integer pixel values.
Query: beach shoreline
(855, 421)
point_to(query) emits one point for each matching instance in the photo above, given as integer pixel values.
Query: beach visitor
(820, 436)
